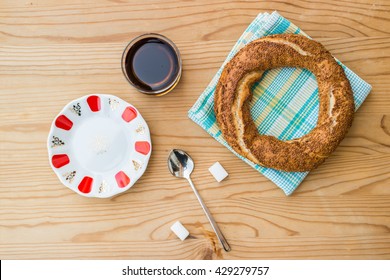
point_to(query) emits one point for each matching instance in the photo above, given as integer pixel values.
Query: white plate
(99, 145)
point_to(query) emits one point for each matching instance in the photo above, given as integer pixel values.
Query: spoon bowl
(180, 164)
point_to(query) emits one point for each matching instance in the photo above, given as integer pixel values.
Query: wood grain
(51, 53)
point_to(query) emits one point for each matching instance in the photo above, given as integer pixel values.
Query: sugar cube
(180, 230)
(218, 171)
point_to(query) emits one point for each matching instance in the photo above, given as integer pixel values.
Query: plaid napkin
(284, 104)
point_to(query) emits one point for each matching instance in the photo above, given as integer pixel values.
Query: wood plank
(51, 53)
(117, 21)
(67, 74)
(252, 248)
(339, 226)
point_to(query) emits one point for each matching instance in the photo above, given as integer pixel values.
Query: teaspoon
(181, 165)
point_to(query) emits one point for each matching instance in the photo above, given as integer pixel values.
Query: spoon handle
(214, 225)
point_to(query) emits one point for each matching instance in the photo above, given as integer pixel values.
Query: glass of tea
(151, 63)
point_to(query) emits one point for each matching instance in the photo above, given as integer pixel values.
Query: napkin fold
(285, 104)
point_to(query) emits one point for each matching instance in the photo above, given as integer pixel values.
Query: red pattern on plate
(142, 147)
(63, 122)
(94, 103)
(129, 114)
(85, 185)
(60, 160)
(122, 179)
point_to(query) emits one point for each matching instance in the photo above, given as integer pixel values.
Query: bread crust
(232, 96)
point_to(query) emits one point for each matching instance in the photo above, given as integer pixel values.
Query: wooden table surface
(51, 53)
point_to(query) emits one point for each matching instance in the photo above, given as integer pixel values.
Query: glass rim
(169, 87)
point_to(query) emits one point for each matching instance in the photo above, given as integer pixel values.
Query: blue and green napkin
(284, 104)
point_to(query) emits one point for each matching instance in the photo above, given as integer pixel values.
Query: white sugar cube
(180, 230)
(218, 171)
